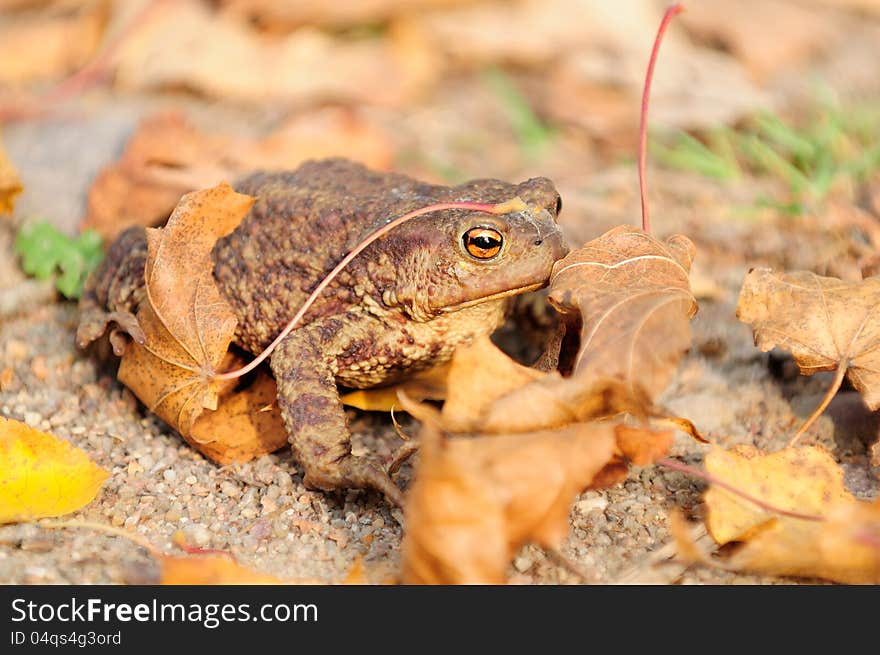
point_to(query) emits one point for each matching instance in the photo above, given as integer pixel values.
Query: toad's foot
(315, 419)
(353, 473)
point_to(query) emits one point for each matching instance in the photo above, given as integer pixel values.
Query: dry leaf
(821, 321)
(805, 480)
(166, 157)
(190, 46)
(41, 475)
(10, 184)
(489, 393)
(426, 385)
(43, 45)
(631, 294)
(187, 324)
(245, 425)
(188, 327)
(844, 546)
(686, 548)
(476, 501)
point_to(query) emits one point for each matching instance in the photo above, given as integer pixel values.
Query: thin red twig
(643, 126)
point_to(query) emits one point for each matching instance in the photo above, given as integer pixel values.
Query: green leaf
(45, 252)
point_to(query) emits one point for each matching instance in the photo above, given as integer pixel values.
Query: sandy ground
(261, 511)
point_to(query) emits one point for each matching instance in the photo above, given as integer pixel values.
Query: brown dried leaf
(245, 425)
(41, 45)
(167, 157)
(490, 393)
(190, 46)
(475, 502)
(632, 296)
(844, 546)
(821, 321)
(187, 324)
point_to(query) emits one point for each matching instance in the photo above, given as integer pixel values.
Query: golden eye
(483, 242)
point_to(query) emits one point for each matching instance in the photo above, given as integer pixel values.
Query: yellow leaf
(41, 475)
(427, 385)
(803, 480)
(843, 545)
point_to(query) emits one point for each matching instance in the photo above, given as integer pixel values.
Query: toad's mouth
(494, 296)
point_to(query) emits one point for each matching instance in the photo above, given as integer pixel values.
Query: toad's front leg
(315, 419)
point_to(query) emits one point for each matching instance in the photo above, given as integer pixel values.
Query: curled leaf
(823, 322)
(843, 544)
(474, 502)
(187, 324)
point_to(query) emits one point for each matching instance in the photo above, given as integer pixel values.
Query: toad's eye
(558, 205)
(483, 242)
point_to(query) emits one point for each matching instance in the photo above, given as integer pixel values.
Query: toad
(401, 306)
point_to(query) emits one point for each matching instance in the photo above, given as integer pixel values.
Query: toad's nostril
(538, 242)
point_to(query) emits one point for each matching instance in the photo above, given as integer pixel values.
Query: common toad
(401, 306)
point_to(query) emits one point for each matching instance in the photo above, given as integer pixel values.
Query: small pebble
(523, 563)
(587, 505)
(197, 534)
(169, 475)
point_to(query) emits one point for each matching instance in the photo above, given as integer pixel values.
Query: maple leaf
(825, 323)
(836, 536)
(187, 324)
(42, 475)
(631, 295)
(187, 328)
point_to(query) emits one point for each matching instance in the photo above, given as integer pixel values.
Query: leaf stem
(826, 400)
(514, 204)
(671, 12)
